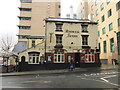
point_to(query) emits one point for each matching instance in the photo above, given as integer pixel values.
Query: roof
(7, 54)
(69, 20)
(20, 46)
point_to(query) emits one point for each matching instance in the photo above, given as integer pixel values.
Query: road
(103, 79)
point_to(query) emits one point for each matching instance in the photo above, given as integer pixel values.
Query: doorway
(77, 59)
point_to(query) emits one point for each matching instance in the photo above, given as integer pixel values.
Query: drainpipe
(45, 37)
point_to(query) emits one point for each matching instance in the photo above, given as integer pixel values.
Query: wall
(66, 41)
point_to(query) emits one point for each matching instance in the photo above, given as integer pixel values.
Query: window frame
(34, 58)
(109, 12)
(25, 18)
(26, 9)
(104, 46)
(112, 46)
(118, 42)
(59, 57)
(111, 24)
(25, 27)
(102, 6)
(97, 12)
(84, 40)
(118, 21)
(58, 26)
(117, 6)
(23, 36)
(108, 1)
(98, 33)
(104, 30)
(84, 28)
(103, 18)
(33, 43)
(58, 39)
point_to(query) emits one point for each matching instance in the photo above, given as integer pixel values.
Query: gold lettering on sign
(70, 33)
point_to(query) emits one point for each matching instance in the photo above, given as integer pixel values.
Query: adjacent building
(82, 10)
(107, 14)
(71, 14)
(31, 19)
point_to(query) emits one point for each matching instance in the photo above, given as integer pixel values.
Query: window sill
(59, 30)
(85, 31)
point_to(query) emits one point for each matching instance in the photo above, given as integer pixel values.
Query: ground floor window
(104, 47)
(34, 58)
(118, 42)
(59, 57)
(69, 58)
(112, 48)
(90, 57)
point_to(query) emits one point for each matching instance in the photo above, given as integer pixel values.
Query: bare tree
(7, 43)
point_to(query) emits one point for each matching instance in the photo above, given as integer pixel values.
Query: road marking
(104, 80)
(110, 76)
(94, 74)
(40, 81)
(108, 81)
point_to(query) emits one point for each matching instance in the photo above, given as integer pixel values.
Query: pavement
(40, 72)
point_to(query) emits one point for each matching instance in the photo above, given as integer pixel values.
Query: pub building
(64, 39)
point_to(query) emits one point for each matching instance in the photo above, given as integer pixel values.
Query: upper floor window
(102, 6)
(109, 13)
(97, 12)
(84, 39)
(92, 16)
(108, 1)
(59, 14)
(59, 26)
(33, 43)
(112, 48)
(58, 39)
(25, 18)
(26, 1)
(25, 9)
(119, 22)
(103, 18)
(24, 27)
(68, 15)
(110, 26)
(92, 7)
(23, 36)
(104, 30)
(84, 28)
(74, 16)
(98, 33)
(97, 22)
(96, 2)
(118, 6)
(59, 6)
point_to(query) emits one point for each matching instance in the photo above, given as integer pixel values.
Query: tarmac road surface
(103, 79)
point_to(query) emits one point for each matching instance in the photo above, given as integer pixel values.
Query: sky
(9, 12)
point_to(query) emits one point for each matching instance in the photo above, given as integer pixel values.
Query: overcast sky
(9, 12)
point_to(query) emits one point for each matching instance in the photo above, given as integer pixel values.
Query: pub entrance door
(77, 59)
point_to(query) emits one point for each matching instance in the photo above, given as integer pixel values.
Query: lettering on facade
(72, 33)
